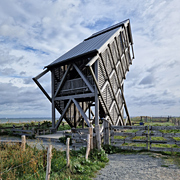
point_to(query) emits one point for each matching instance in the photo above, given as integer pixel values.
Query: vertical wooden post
(88, 146)
(67, 151)
(53, 103)
(23, 145)
(75, 115)
(91, 137)
(49, 156)
(106, 132)
(83, 118)
(97, 127)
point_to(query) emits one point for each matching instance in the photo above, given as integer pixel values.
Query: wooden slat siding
(126, 110)
(112, 90)
(118, 46)
(84, 78)
(62, 81)
(127, 46)
(103, 102)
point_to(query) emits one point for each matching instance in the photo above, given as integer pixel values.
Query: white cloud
(34, 33)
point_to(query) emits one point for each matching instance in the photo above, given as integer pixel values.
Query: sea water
(22, 120)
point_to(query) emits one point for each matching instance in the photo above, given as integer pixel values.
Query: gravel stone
(137, 167)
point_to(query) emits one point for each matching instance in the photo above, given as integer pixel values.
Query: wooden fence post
(106, 132)
(98, 138)
(67, 151)
(91, 137)
(49, 156)
(88, 146)
(23, 144)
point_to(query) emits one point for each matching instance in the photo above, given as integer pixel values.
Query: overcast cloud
(33, 33)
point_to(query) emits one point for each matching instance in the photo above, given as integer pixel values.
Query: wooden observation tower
(87, 81)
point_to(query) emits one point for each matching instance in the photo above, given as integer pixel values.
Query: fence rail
(153, 138)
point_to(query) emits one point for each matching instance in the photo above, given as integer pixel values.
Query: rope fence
(49, 157)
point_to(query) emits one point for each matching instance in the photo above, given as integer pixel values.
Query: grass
(34, 160)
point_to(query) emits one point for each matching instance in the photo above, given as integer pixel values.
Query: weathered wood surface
(23, 132)
(23, 144)
(129, 127)
(11, 142)
(49, 157)
(165, 149)
(87, 147)
(153, 132)
(163, 127)
(79, 137)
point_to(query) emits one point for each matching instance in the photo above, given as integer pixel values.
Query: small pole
(88, 146)
(23, 144)
(106, 132)
(91, 137)
(49, 156)
(98, 138)
(67, 151)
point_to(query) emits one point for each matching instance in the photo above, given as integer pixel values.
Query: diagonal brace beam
(42, 89)
(63, 113)
(62, 81)
(96, 83)
(82, 112)
(84, 78)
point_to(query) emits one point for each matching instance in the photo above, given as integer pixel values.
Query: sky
(34, 33)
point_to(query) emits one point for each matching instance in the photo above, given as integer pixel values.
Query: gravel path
(137, 167)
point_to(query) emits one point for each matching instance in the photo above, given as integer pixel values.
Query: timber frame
(87, 82)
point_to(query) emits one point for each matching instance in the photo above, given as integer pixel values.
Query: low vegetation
(31, 164)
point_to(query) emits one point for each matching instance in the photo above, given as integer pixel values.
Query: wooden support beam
(96, 83)
(84, 78)
(78, 121)
(76, 96)
(92, 61)
(49, 98)
(41, 74)
(62, 115)
(81, 111)
(96, 95)
(42, 89)
(62, 81)
(53, 102)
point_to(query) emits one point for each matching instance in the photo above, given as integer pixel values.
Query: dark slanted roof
(90, 45)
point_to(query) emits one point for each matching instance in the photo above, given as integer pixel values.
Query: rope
(59, 170)
(19, 165)
(36, 172)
